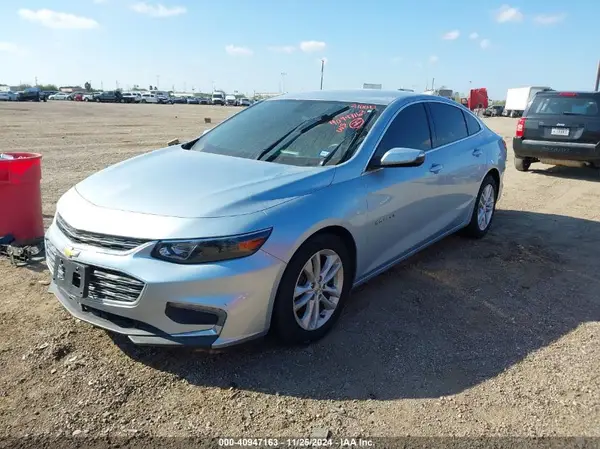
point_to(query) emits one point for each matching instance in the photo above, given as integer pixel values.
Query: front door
(402, 201)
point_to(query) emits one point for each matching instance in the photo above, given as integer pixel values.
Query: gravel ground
(498, 337)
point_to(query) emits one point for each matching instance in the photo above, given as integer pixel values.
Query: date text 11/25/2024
(295, 442)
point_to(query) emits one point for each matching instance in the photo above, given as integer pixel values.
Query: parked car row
(115, 96)
(29, 94)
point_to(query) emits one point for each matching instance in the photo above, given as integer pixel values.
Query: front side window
(409, 129)
(294, 132)
(449, 123)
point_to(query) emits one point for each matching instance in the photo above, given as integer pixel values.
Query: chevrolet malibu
(268, 221)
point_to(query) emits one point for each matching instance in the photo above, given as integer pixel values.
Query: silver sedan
(8, 96)
(269, 220)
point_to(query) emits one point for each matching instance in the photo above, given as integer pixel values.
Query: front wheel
(313, 289)
(522, 163)
(484, 210)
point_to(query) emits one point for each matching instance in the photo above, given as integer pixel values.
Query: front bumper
(568, 151)
(211, 305)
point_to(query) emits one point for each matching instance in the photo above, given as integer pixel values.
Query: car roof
(371, 96)
(558, 92)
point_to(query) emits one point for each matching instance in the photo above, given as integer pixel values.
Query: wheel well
(347, 238)
(496, 175)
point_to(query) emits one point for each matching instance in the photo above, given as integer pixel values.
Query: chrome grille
(113, 286)
(51, 253)
(113, 242)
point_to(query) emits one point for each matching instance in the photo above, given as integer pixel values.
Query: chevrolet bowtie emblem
(71, 252)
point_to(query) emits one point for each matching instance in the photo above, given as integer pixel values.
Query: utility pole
(157, 81)
(102, 85)
(322, 70)
(597, 78)
(37, 84)
(432, 83)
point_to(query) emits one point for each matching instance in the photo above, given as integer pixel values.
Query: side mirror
(402, 157)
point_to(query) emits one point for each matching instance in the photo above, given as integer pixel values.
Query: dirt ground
(493, 337)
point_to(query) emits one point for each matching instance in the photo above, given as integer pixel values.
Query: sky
(268, 46)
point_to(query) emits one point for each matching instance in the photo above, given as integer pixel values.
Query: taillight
(520, 127)
(567, 94)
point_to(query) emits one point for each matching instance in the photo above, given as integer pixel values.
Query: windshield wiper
(354, 139)
(303, 127)
(571, 113)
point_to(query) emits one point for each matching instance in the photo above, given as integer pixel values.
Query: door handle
(436, 168)
(477, 152)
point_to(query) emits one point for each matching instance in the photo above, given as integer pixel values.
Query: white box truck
(518, 98)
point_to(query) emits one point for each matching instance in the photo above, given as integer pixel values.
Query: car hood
(189, 184)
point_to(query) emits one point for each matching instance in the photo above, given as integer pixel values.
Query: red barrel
(21, 197)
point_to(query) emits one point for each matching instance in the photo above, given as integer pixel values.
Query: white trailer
(518, 98)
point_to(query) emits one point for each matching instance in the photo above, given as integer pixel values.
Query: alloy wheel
(318, 289)
(485, 209)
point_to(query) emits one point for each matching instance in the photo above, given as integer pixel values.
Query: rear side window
(449, 123)
(473, 126)
(409, 129)
(563, 105)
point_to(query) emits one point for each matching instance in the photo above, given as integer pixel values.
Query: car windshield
(564, 105)
(292, 132)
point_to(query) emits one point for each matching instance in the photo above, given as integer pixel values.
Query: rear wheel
(313, 289)
(522, 163)
(484, 210)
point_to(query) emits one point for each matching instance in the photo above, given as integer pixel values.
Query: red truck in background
(478, 99)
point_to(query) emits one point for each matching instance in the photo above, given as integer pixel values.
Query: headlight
(197, 251)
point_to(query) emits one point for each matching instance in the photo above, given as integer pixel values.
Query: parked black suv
(113, 96)
(31, 94)
(558, 127)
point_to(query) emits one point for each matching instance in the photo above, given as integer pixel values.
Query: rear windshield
(564, 105)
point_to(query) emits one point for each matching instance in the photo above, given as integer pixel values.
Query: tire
(97, 100)
(522, 163)
(284, 322)
(476, 229)
(86, 99)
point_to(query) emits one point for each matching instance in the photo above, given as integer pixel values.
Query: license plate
(72, 277)
(560, 131)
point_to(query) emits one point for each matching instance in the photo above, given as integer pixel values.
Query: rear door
(563, 117)
(458, 160)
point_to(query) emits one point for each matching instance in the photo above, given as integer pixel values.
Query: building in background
(71, 89)
(265, 95)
